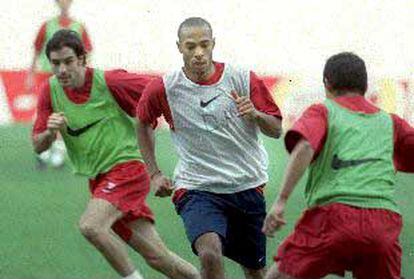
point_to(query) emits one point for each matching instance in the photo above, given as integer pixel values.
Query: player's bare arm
(42, 141)
(268, 124)
(161, 185)
(299, 160)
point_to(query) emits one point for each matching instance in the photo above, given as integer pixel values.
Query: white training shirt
(218, 151)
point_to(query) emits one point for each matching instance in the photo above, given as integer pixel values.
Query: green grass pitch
(39, 212)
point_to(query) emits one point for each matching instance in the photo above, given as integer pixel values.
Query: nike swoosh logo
(204, 104)
(338, 163)
(80, 131)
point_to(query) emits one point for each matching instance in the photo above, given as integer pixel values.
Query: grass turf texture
(39, 213)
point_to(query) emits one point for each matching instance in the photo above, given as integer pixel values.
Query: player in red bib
(352, 150)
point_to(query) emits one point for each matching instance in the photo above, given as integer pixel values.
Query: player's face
(67, 66)
(196, 45)
(64, 5)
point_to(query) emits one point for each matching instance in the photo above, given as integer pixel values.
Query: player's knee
(155, 260)
(278, 275)
(89, 230)
(254, 273)
(209, 249)
(210, 255)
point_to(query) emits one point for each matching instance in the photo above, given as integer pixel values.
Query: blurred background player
(216, 113)
(55, 155)
(353, 150)
(92, 109)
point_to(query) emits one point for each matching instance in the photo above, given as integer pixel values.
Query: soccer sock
(134, 275)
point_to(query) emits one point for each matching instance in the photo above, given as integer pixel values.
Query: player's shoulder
(173, 76)
(112, 72)
(154, 90)
(239, 77)
(76, 21)
(156, 84)
(399, 122)
(316, 109)
(51, 19)
(173, 72)
(237, 68)
(317, 105)
(111, 75)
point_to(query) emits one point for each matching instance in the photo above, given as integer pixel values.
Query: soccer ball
(53, 157)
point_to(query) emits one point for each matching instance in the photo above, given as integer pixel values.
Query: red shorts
(126, 186)
(335, 238)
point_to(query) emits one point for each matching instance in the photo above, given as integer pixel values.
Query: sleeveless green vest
(52, 26)
(355, 166)
(99, 133)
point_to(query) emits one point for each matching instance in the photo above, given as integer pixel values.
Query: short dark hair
(66, 38)
(194, 22)
(346, 72)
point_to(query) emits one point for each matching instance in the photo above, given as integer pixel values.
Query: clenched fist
(56, 122)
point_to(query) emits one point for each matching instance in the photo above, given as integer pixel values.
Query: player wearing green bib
(93, 110)
(99, 134)
(54, 156)
(352, 150)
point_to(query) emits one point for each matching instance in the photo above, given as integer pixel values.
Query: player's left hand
(245, 106)
(274, 219)
(161, 185)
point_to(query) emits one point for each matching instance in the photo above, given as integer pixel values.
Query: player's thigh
(100, 213)
(381, 256)
(118, 194)
(314, 249)
(246, 243)
(202, 213)
(379, 267)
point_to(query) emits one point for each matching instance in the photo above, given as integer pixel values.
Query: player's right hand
(274, 219)
(56, 122)
(161, 185)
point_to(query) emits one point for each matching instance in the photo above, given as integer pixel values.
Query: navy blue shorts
(237, 218)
